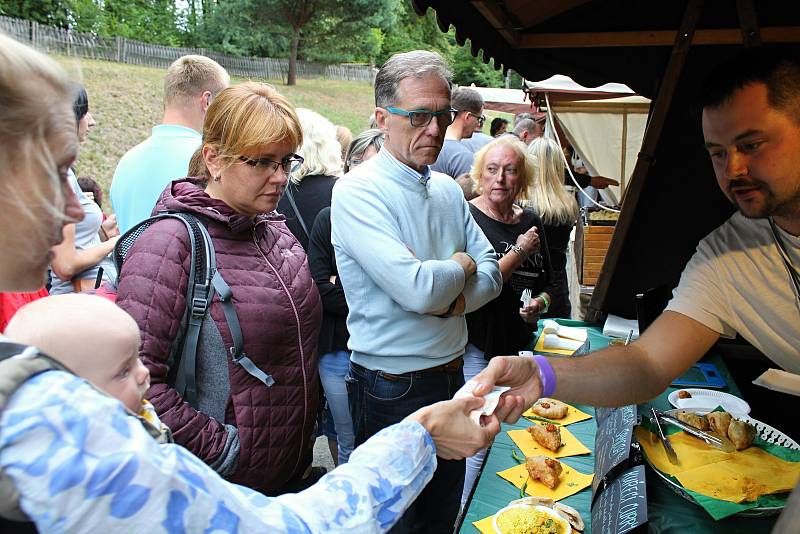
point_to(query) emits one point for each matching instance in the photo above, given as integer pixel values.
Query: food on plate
(684, 395)
(548, 436)
(544, 469)
(567, 512)
(693, 419)
(741, 434)
(570, 514)
(550, 408)
(719, 422)
(530, 520)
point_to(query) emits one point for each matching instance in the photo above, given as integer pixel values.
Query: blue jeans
(378, 400)
(333, 368)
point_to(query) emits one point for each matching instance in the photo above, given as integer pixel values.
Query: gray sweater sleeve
(225, 463)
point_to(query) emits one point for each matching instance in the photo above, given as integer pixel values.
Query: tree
(50, 12)
(323, 23)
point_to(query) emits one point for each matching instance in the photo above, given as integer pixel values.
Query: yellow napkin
(540, 348)
(570, 445)
(736, 476)
(485, 525)
(569, 483)
(574, 415)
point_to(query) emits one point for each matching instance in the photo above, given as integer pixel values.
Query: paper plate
(705, 400)
(765, 432)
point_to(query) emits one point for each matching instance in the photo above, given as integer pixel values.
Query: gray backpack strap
(18, 363)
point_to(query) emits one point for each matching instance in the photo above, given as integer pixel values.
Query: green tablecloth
(667, 512)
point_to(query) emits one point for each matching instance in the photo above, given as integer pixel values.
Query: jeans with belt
(379, 399)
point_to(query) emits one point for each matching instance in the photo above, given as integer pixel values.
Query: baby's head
(92, 337)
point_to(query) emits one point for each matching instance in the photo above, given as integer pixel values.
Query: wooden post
(683, 41)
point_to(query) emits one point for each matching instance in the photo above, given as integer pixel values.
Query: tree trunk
(292, 77)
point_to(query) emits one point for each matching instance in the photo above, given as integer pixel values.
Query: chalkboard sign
(612, 442)
(622, 507)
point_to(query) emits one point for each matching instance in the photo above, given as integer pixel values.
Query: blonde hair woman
(251, 433)
(311, 186)
(502, 173)
(558, 210)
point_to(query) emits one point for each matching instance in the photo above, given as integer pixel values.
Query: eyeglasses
(420, 119)
(480, 118)
(289, 164)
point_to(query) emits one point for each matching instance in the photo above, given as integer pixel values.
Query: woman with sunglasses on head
(334, 360)
(83, 255)
(257, 435)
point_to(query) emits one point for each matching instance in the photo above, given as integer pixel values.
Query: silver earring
(217, 178)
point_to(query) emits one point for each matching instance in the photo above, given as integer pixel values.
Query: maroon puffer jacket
(280, 313)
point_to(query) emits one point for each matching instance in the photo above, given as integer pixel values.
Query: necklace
(787, 261)
(497, 216)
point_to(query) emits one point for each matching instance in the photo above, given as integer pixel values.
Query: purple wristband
(546, 375)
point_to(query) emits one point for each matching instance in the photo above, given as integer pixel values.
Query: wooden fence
(123, 50)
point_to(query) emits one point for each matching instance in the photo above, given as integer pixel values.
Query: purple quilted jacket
(280, 314)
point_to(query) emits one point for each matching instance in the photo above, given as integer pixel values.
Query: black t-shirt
(497, 328)
(311, 195)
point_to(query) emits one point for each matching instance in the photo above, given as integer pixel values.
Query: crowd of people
(388, 268)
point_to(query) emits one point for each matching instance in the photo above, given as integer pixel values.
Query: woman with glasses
(502, 173)
(250, 433)
(334, 360)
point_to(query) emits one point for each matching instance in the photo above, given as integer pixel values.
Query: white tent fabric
(606, 134)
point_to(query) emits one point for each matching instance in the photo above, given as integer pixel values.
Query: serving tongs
(673, 457)
(715, 440)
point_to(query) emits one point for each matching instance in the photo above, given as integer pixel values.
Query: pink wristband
(546, 375)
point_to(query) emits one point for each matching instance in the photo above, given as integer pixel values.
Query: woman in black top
(559, 212)
(310, 188)
(502, 173)
(334, 361)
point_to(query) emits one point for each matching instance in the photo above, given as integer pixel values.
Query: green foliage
(328, 31)
(50, 12)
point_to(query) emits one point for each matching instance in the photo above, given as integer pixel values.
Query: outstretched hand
(455, 434)
(519, 373)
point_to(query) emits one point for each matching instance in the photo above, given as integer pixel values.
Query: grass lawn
(126, 102)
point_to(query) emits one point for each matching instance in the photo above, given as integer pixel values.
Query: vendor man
(742, 278)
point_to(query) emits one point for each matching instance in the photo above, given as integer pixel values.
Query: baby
(94, 339)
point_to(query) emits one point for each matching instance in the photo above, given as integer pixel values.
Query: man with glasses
(412, 262)
(455, 158)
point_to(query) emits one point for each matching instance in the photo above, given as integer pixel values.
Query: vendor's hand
(529, 241)
(601, 182)
(456, 435)
(519, 373)
(466, 263)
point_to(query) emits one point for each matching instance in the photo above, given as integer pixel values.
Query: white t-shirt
(737, 282)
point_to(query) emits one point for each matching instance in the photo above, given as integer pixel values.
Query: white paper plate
(708, 399)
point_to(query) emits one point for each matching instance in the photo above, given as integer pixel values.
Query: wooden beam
(542, 10)
(778, 34)
(498, 19)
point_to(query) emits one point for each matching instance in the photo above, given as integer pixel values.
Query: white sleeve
(700, 295)
(81, 464)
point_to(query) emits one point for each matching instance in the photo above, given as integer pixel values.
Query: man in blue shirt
(455, 157)
(412, 262)
(146, 169)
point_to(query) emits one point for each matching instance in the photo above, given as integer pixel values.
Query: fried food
(570, 514)
(550, 408)
(684, 395)
(691, 418)
(544, 469)
(741, 434)
(719, 422)
(548, 436)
